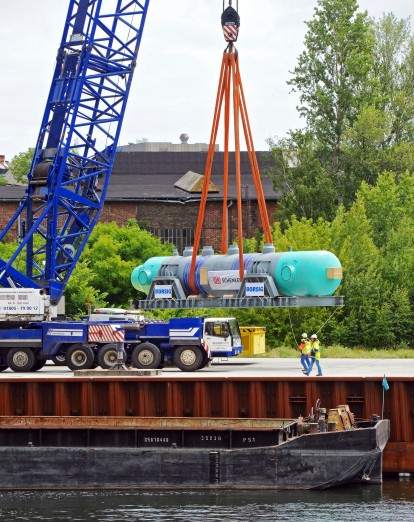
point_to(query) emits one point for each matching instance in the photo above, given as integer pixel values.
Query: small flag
(385, 384)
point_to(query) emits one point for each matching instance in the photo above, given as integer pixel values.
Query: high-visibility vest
(307, 349)
(315, 346)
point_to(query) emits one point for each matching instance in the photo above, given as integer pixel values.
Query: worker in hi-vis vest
(315, 355)
(305, 349)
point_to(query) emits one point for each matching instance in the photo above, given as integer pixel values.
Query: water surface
(394, 501)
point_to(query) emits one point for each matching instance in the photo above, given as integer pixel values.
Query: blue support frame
(77, 143)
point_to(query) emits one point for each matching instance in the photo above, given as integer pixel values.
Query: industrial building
(150, 183)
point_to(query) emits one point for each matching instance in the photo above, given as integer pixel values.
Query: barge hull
(315, 461)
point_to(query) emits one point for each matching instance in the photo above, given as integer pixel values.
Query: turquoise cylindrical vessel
(313, 273)
(296, 274)
(142, 276)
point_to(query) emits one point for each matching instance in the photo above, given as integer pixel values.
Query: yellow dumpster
(253, 340)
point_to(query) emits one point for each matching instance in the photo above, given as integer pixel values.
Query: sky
(176, 78)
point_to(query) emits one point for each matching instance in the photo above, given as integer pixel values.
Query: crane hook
(231, 4)
(230, 21)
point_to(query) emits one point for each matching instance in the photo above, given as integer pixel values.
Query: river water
(394, 501)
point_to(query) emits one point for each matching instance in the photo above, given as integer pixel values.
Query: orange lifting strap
(231, 94)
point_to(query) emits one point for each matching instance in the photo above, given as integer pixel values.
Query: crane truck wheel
(146, 356)
(21, 359)
(188, 358)
(80, 358)
(107, 356)
(206, 361)
(59, 360)
(38, 365)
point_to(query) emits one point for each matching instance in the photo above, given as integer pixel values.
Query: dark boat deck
(136, 432)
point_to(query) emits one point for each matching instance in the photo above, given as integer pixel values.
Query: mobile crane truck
(67, 186)
(26, 344)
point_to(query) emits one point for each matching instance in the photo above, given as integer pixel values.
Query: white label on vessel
(163, 292)
(255, 289)
(224, 280)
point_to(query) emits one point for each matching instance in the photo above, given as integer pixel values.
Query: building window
(179, 237)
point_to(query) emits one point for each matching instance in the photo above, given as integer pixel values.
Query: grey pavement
(269, 367)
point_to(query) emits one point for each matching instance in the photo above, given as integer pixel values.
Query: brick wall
(174, 216)
(119, 211)
(7, 211)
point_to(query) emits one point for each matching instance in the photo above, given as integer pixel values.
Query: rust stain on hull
(148, 423)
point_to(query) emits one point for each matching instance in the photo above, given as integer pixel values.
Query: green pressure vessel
(142, 276)
(308, 273)
(301, 274)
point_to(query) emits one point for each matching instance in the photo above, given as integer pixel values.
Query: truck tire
(206, 361)
(107, 356)
(59, 359)
(21, 359)
(38, 365)
(146, 356)
(188, 358)
(80, 357)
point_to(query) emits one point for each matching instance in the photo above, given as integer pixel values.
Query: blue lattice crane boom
(77, 142)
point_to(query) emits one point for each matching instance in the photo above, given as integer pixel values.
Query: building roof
(144, 176)
(161, 146)
(153, 175)
(11, 192)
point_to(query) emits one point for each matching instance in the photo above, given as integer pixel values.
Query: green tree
(81, 295)
(113, 252)
(20, 165)
(333, 72)
(299, 175)
(374, 240)
(390, 210)
(394, 74)
(355, 81)
(334, 80)
(353, 243)
(363, 150)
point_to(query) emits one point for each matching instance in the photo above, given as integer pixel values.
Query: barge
(144, 452)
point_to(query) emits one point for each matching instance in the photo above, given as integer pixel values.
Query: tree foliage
(20, 165)
(113, 252)
(355, 81)
(332, 73)
(394, 74)
(374, 240)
